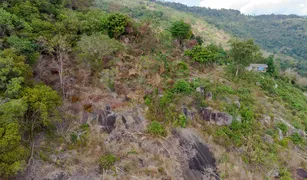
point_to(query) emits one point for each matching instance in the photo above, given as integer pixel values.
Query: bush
(181, 30)
(181, 86)
(201, 54)
(116, 24)
(107, 161)
(155, 128)
(282, 127)
(296, 138)
(92, 49)
(181, 121)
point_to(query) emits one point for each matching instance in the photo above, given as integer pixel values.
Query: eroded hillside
(133, 97)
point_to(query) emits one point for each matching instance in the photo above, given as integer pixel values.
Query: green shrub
(296, 138)
(284, 142)
(155, 128)
(182, 86)
(181, 121)
(201, 54)
(74, 137)
(181, 30)
(116, 24)
(107, 161)
(282, 127)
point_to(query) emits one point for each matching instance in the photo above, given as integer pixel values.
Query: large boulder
(301, 173)
(200, 163)
(219, 118)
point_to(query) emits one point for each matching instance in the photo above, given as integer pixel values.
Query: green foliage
(275, 33)
(181, 121)
(182, 86)
(116, 24)
(78, 4)
(201, 54)
(272, 70)
(10, 23)
(285, 174)
(296, 138)
(107, 161)
(282, 127)
(12, 73)
(243, 53)
(207, 55)
(42, 103)
(12, 154)
(92, 49)
(155, 128)
(181, 30)
(12, 111)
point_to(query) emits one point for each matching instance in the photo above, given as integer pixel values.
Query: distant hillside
(276, 33)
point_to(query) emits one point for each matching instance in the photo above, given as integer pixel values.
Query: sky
(253, 7)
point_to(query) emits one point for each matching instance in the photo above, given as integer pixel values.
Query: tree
(272, 70)
(116, 24)
(59, 48)
(181, 30)
(12, 154)
(13, 73)
(243, 53)
(78, 4)
(92, 49)
(12, 111)
(42, 104)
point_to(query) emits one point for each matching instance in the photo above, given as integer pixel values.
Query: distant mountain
(286, 34)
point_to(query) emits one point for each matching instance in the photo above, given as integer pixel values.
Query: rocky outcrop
(219, 118)
(200, 163)
(301, 173)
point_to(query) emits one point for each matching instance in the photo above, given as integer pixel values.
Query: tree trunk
(237, 71)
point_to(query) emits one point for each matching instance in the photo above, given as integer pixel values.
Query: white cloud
(260, 6)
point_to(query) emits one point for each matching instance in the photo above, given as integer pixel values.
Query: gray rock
(238, 104)
(302, 133)
(266, 120)
(280, 134)
(57, 175)
(239, 118)
(53, 158)
(268, 139)
(201, 90)
(301, 173)
(223, 119)
(209, 96)
(258, 84)
(201, 161)
(220, 118)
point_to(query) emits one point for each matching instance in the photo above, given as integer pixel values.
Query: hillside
(275, 33)
(133, 89)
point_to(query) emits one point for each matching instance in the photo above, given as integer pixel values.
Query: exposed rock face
(302, 174)
(57, 176)
(219, 118)
(238, 104)
(266, 120)
(182, 155)
(209, 96)
(280, 134)
(201, 90)
(200, 163)
(267, 138)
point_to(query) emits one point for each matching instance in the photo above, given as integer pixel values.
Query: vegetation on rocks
(80, 78)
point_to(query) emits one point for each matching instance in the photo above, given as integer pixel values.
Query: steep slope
(275, 33)
(163, 16)
(133, 104)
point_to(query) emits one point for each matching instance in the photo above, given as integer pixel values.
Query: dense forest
(276, 33)
(133, 89)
